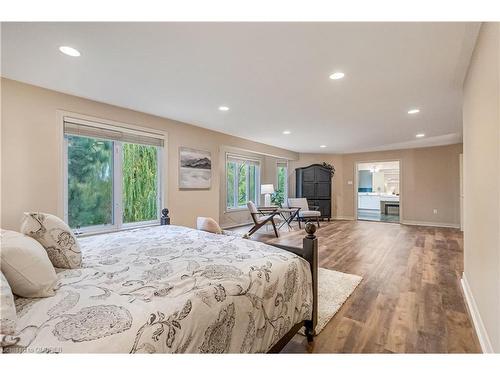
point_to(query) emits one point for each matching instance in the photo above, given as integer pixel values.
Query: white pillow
(8, 318)
(208, 224)
(55, 236)
(26, 266)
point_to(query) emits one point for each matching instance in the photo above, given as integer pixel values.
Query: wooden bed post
(310, 246)
(308, 251)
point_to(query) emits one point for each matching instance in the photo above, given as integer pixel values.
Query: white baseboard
(430, 224)
(351, 218)
(481, 332)
(237, 225)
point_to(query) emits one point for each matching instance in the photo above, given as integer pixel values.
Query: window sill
(239, 209)
(123, 229)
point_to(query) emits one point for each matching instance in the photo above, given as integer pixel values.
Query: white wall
(429, 180)
(481, 159)
(31, 153)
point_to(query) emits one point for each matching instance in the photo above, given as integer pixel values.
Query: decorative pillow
(26, 266)
(56, 236)
(8, 318)
(208, 224)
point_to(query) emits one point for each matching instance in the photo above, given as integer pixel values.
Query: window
(113, 177)
(242, 181)
(282, 179)
(90, 181)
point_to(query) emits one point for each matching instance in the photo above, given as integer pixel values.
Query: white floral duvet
(169, 289)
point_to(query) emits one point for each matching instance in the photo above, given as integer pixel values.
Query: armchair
(261, 220)
(306, 212)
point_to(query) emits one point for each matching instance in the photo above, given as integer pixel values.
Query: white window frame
(236, 179)
(117, 211)
(278, 165)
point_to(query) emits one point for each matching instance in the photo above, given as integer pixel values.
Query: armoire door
(308, 175)
(323, 190)
(309, 190)
(324, 207)
(322, 175)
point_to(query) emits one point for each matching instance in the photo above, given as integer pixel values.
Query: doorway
(378, 191)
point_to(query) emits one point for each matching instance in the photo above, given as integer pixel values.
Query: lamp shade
(267, 189)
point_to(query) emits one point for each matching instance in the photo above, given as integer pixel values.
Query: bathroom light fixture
(413, 111)
(70, 51)
(223, 108)
(287, 132)
(337, 75)
(420, 135)
(322, 146)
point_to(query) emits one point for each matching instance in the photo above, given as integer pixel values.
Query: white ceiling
(273, 76)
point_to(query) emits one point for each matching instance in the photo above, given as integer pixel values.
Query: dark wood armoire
(315, 183)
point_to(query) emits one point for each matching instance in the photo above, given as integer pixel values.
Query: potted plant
(278, 198)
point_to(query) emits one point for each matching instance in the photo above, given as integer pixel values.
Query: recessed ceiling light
(286, 132)
(70, 51)
(413, 111)
(420, 135)
(322, 146)
(223, 108)
(337, 75)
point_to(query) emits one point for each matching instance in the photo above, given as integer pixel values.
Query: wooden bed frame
(308, 251)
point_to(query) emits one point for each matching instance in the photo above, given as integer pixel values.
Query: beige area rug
(333, 290)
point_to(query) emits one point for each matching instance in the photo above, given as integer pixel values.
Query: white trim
(118, 184)
(231, 226)
(481, 332)
(62, 194)
(237, 150)
(236, 209)
(161, 164)
(406, 222)
(461, 198)
(430, 224)
(243, 158)
(114, 125)
(64, 169)
(139, 224)
(123, 229)
(96, 229)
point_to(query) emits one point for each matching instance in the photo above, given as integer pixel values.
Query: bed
(171, 289)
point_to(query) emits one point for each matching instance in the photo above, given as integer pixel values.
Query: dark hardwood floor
(410, 299)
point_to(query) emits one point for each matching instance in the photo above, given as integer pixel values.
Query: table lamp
(267, 189)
